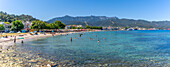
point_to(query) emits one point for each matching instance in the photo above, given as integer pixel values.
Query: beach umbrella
(31, 32)
(34, 31)
(23, 31)
(40, 31)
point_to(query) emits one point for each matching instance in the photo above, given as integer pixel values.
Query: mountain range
(110, 21)
(91, 20)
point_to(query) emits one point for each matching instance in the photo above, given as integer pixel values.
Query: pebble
(33, 61)
(48, 65)
(14, 55)
(12, 58)
(38, 53)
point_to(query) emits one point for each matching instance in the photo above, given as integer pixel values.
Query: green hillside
(4, 17)
(111, 21)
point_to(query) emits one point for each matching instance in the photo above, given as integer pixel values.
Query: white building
(79, 26)
(27, 25)
(70, 26)
(7, 26)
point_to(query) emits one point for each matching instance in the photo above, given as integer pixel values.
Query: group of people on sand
(5, 36)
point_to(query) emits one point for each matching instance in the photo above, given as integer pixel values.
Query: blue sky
(153, 10)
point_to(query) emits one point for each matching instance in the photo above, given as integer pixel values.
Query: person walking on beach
(6, 36)
(52, 32)
(1, 33)
(15, 39)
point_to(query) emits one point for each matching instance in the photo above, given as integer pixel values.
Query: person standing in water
(15, 39)
(71, 39)
(90, 38)
(98, 41)
(79, 35)
(22, 42)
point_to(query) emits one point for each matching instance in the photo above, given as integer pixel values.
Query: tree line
(5, 17)
(37, 24)
(43, 25)
(93, 27)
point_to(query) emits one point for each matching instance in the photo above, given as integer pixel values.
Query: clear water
(119, 47)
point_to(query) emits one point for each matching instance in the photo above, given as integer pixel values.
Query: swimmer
(98, 41)
(90, 38)
(80, 35)
(75, 38)
(95, 35)
(104, 38)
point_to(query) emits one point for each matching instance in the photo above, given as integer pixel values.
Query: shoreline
(7, 42)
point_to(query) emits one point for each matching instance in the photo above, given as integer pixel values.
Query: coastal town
(27, 27)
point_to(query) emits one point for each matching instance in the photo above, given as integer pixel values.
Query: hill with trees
(4, 17)
(89, 20)
(110, 21)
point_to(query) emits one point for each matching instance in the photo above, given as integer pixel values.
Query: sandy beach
(6, 42)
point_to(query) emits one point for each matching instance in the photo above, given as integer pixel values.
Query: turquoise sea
(128, 48)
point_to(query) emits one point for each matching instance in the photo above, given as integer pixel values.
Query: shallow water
(149, 48)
